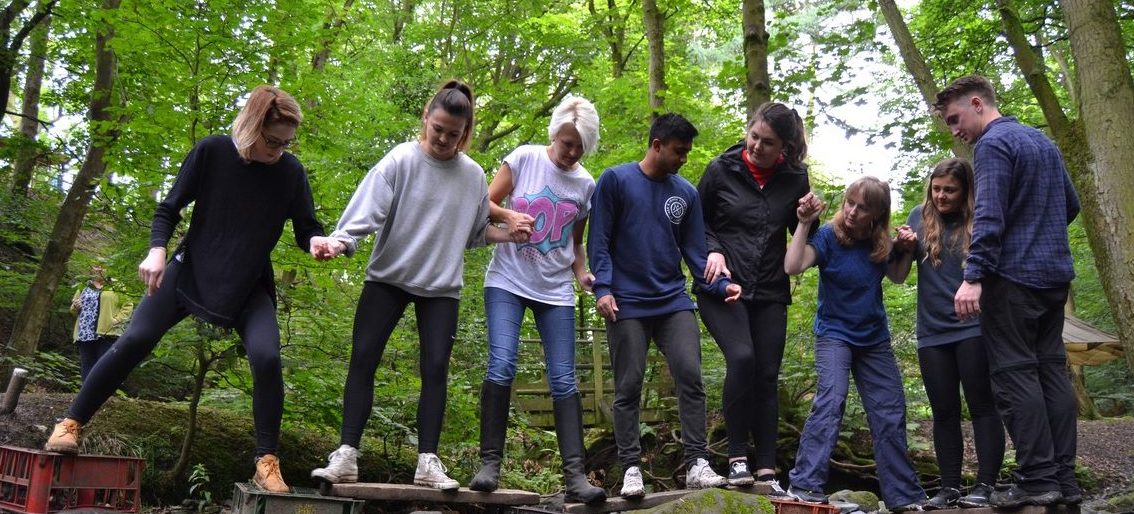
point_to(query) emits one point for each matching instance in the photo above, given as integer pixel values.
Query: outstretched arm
(801, 255)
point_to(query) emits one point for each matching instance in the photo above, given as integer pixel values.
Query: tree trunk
(613, 29)
(919, 70)
(36, 307)
(654, 23)
(10, 43)
(759, 88)
(1106, 92)
(331, 28)
(28, 154)
(204, 362)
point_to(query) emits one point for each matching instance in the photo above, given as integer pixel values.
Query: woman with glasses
(244, 187)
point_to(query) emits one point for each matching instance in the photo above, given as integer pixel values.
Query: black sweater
(238, 216)
(747, 224)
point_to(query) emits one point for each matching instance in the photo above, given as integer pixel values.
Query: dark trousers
(1024, 331)
(678, 338)
(879, 384)
(91, 351)
(380, 307)
(158, 313)
(751, 336)
(945, 369)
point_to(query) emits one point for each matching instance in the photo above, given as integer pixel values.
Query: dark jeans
(380, 307)
(751, 336)
(1024, 331)
(91, 351)
(879, 384)
(678, 338)
(945, 369)
(157, 314)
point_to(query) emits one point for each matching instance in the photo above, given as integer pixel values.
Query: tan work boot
(268, 475)
(65, 437)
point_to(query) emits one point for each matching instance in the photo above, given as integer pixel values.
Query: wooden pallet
(414, 493)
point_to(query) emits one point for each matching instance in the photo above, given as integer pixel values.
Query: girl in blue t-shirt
(851, 335)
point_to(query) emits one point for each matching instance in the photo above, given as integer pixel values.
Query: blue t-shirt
(640, 231)
(850, 291)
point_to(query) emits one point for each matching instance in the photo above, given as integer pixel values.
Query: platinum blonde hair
(580, 113)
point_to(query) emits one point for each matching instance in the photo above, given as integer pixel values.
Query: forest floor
(1105, 447)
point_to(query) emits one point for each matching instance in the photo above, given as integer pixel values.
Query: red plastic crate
(797, 507)
(39, 482)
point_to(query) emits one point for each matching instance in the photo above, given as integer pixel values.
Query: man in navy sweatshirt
(644, 220)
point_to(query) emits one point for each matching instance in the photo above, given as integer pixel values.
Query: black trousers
(1023, 327)
(156, 314)
(945, 370)
(91, 351)
(380, 307)
(751, 336)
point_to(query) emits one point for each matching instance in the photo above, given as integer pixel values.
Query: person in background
(1016, 278)
(100, 315)
(951, 352)
(644, 220)
(426, 201)
(244, 187)
(852, 335)
(545, 187)
(749, 195)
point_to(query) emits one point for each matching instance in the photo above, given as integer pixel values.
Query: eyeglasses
(275, 143)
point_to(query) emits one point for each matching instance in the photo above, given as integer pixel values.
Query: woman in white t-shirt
(544, 190)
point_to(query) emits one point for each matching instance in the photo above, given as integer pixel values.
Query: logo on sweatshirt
(554, 219)
(675, 209)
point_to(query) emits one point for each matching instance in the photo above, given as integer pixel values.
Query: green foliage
(199, 487)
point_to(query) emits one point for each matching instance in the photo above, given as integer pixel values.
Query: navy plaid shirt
(1024, 202)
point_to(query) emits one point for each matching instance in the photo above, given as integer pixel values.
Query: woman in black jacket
(749, 195)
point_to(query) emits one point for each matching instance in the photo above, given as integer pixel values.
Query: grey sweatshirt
(425, 213)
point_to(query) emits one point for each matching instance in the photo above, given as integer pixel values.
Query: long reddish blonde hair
(267, 105)
(876, 197)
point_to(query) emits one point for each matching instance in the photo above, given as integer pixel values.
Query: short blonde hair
(580, 113)
(267, 105)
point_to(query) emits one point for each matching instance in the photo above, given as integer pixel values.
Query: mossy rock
(224, 444)
(866, 500)
(716, 501)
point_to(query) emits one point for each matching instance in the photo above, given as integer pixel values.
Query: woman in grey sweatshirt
(425, 202)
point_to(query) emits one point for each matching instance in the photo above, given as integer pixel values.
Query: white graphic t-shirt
(540, 269)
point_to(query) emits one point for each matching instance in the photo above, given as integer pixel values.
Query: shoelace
(69, 428)
(273, 468)
(434, 463)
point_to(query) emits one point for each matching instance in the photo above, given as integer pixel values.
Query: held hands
(967, 300)
(715, 267)
(152, 269)
(586, 281)
(732, 293)
(905, 239)
(607, 307)
(519, 226)
(325, 248)
(810, 206)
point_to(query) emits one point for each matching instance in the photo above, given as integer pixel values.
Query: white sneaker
(632, 486)
(431, 473)
(702, 476)
(774, 485)
(342, 466)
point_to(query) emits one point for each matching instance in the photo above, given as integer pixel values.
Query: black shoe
(1017, 497)
(569, 431)
(1072, 495)
(978, 497)
(804, 495)
(738, 473)
(946, 498)
(494, 399)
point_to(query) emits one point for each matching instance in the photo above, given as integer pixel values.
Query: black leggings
(751, 336)
(379, 309)
(945, 369)
(158, 313)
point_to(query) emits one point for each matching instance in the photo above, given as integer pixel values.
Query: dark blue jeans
(556, 324)
(879, 384)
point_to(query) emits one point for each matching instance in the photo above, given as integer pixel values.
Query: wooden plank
(618, 503)
(404, 492)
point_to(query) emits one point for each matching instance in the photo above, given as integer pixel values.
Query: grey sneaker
(702, 476)
(431, 473)
(342, 466)
(632, 486)
(738, 473)
(805, 495)
(772, 484)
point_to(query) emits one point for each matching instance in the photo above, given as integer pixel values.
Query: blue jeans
(879, 384)
(556, 325)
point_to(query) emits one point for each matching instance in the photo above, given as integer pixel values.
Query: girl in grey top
(425, 202)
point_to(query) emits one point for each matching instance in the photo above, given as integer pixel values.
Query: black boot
(569, 431)
(493, 426)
